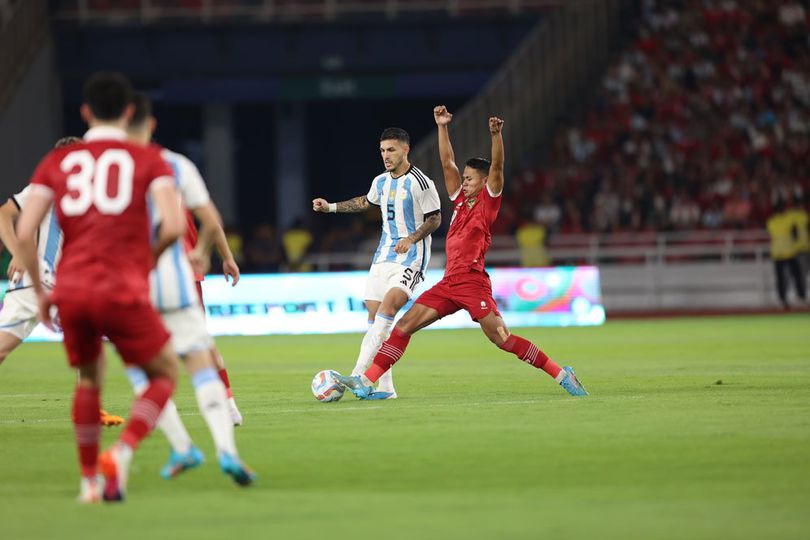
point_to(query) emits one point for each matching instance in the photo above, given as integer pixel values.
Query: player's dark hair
(107, 93)
(395, 133)
(143, 109)
(479, 164)
(66, 141)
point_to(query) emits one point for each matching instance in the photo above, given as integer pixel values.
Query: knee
(405, 326)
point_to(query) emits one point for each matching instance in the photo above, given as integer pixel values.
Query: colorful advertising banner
(332, 302)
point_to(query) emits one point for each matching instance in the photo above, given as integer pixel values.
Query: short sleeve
(42, 178)
(373, 194)
(191, 185)
(158, 170)
(428, 199)
(20, 198)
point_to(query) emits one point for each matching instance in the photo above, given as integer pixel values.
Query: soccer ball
(325, 387)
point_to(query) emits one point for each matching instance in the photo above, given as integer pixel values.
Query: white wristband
(332, 207)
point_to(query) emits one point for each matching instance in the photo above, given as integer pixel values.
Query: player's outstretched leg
(184, 455)
(114, 463)
(529, 353)
(392, 349)
(212, 400)
(376, 334)
(236, 415)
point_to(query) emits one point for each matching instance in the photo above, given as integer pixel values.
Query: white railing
(150, 11)
(596, 249)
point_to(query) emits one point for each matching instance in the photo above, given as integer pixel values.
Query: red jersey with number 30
(469, 236)
(99, 189)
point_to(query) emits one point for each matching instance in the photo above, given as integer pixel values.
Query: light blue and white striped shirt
(171, 282)
(404, 201)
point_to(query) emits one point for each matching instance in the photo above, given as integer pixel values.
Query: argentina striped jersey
(171, 283)
(49, 244)
(403, 202)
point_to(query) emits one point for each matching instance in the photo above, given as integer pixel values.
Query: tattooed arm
(352, 206)
(432, 222)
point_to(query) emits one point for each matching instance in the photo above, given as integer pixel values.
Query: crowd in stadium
(702, 122)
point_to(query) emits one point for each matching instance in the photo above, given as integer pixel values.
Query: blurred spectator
(548, 213)
(800, 224)
(263, 251)
(784, 253)
(531, 240)
(297, 240)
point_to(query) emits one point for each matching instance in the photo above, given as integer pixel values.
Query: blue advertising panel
(332, 302)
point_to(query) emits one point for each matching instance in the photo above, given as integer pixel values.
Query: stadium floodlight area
(332, 302)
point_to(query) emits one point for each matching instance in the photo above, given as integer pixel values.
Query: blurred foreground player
(99, 188)
(173, 294)
(18, 317)
(231, 271)
(466, 284)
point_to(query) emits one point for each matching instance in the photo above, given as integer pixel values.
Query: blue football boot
(179, 463)
(355, 384)
(572, 384)
(236, 469)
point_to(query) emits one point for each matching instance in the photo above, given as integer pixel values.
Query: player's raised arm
(452, 178)
(8, 213)
(352, 206)
(495, 179)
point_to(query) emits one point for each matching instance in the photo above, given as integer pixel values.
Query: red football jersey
(190, 239)
(469, 236)
(99, 189)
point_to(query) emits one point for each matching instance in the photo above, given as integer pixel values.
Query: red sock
(526, 351)
(390, 351)
(223, 375)
(146, 410)
(86, 418)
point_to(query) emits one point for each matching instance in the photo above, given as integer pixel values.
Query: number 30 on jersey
(89, 185)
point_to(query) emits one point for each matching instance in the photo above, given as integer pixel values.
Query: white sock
(213, 402)
(169, 422)
(371, 342)
(386, 381)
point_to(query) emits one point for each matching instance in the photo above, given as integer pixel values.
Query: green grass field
(479, 445)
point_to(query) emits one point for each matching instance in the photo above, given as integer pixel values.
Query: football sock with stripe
(213, 402)
(146, 411)
(169, 422)
(390, 351)
(86, 417)
(374, 337)
(529, 353)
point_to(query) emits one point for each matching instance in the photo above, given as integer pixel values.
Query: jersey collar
(100, 133)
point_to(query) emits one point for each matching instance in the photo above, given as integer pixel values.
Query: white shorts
(19, 314)
(389, 275)
(187, 327)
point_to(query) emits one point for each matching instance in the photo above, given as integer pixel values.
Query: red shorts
(471, 291)
(134, 328)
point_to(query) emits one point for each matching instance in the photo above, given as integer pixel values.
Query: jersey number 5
(390, 211)
(89, 185)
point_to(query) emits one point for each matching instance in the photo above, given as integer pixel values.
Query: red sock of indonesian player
(529, 353)
(390, 351)
(86, 423)
(146, 411)
(223, 376)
